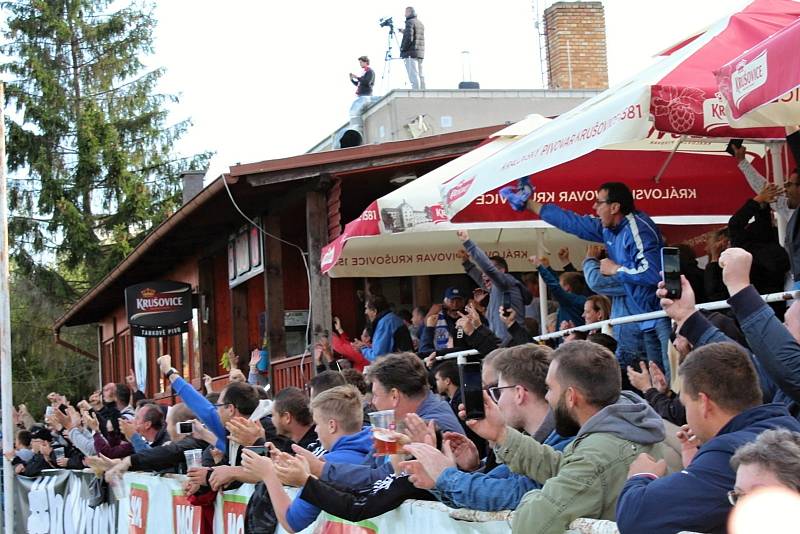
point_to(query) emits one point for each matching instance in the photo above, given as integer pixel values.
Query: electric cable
(303, 255)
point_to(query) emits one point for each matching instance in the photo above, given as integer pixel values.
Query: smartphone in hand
(471, 386)
(671, 271)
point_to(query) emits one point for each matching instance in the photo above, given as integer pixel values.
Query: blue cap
(454, 293)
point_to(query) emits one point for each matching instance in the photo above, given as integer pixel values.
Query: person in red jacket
(342, 345)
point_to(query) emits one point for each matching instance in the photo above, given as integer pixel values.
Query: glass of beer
(385, 443)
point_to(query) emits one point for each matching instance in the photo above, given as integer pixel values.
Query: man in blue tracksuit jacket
(630, 344)
(633, 244)
(722, 396)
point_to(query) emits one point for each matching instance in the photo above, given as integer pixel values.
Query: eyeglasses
(734, 496)
(221, 404)
(496, 391)
(787, 184)
(602, 201)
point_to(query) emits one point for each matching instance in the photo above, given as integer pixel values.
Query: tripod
(391, 40)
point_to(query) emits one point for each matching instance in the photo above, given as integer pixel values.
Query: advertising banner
(58, 503)
(158, 308)
(765, 75)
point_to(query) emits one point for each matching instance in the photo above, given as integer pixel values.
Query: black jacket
(384, 496)
(413, 44)
(760, 238)
(364, 82)
(667, 405)
(166, 458)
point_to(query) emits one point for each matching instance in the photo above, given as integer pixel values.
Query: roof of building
(210, 216)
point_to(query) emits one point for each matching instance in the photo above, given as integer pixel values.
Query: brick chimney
(575, 35)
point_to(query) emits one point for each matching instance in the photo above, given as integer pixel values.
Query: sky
(263, 80)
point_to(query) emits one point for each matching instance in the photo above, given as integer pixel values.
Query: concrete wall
(451, 111)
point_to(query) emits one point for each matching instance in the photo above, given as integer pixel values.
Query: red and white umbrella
(763, 83)
(407, 233)
(677, 94)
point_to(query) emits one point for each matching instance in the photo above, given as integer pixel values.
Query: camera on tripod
(387, 22)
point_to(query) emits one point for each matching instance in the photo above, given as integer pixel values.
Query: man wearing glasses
(633, 243)
(519, 393)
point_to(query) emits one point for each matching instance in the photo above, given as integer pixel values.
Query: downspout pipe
(70, 346)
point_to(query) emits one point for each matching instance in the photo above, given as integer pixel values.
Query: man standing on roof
(633, 243)
(412, 49)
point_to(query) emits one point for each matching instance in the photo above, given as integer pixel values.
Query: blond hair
(343, 405)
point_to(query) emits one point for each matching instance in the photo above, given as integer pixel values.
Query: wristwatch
(171, 372)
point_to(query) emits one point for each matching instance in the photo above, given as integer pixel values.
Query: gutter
(72, 347)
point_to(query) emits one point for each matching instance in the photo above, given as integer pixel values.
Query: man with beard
(389, 332)
(611, 427)
(520, 396)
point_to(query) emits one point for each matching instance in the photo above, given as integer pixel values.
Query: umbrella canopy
(677, 94)
(763, 83)
(407, 233)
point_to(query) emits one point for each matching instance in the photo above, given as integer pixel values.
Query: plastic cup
(118, 488)
(194, 458)
(384, 442)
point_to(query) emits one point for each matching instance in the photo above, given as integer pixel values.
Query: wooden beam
(208, 342)
(422, 290)
(273, 288)
(317, 234)
(239, 322)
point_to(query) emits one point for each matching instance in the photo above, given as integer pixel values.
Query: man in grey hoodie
(611, 427)
(492, 274)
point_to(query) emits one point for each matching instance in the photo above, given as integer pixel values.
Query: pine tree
(89, 149)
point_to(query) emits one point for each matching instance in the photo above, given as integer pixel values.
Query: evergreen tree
(89, 148)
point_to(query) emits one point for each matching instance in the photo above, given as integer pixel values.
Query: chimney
(575, 35)
(192, 184)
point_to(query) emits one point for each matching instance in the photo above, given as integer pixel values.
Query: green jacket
(585, 479)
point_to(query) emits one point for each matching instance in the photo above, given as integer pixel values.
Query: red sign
(233, 508)
(185, 517)
(138, 509)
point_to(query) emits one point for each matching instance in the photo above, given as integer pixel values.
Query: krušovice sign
(161, 308)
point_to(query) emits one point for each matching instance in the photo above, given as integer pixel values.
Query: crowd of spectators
(610, 424)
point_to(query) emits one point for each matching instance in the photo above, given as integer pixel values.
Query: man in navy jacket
(724, 410)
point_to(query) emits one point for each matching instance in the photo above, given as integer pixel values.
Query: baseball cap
(41, 433)
(454, 293)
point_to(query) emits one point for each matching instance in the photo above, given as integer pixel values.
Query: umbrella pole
(669, 159)
(775, 150)
(542, 287)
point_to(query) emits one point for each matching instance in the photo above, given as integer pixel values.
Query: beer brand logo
(459, 190)
(749, 76)
(152, 301)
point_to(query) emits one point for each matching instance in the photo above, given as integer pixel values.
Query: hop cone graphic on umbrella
(680, 105)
